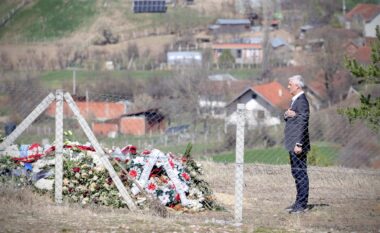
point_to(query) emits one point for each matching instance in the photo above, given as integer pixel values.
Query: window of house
(254, 95)
(260, 114)
(238, 53)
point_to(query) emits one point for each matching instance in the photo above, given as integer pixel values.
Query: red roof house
(364, 17)
(265, 104)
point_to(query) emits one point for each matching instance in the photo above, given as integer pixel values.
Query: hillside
(51, 29)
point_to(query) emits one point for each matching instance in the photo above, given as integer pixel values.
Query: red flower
(177, 197)
(152, 186)
(185, 176)
(129, 149)
(133, 173)
(184, 159)
(109, 180)
(76, 169)
(146, 152)
(171, 163)
(118, 159)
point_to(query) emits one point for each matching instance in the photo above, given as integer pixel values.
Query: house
(142, 122)
(136, 124)
(203, 39)
(282, 52)
(92, 110)
(265, 104)
(363, 55)
(109, 129)
(364, 17)
(216, 92)
(231, 26)
(353, 45)
(303, 30)
(181, 58)
(243, 53)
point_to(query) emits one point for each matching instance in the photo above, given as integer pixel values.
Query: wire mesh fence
(245, 163)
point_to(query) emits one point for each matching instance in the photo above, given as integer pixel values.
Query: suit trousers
(298, 164)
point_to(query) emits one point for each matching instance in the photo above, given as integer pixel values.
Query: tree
(369, 108)
(226, 59)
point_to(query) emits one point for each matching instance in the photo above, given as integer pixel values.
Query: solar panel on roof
(149, 6)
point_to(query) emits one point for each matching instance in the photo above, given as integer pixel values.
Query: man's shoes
(298, 209)
(289, 208)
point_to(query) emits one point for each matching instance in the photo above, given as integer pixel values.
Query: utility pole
(74, 80)
(265, 44)
(346, 24)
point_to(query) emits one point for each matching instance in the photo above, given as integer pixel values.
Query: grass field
(50, 19)
(55, 79)
(321, 154)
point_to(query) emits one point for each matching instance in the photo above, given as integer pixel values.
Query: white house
(265, 105)
(365, 17)
(184, 58)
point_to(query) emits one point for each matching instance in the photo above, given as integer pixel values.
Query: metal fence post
(239, 174)
(58, 146)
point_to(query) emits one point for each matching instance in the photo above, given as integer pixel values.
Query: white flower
(158, 163)
(139, 160)
(84, 175)
(92, 187)
(194, 205)
(164, 199)
(99, 168)
(85, 200)
(66, 181)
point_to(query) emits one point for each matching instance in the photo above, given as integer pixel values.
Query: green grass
(55, 79)
(245, 73)
(50, 19)
(322, 154)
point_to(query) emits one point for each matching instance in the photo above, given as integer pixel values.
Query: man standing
(297, 141)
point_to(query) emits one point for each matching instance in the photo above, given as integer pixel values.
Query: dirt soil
(341, 200)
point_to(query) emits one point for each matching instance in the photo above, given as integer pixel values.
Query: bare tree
(330, 62)
(182, 102)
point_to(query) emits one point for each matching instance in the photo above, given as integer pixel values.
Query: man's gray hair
(298, 80)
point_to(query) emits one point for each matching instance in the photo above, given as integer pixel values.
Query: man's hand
(289, 113)
(297, 150)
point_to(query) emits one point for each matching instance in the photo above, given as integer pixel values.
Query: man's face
(293, 88)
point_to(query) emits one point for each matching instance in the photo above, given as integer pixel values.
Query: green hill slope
(48, 19)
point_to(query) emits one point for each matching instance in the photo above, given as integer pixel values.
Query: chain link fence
(246, 164)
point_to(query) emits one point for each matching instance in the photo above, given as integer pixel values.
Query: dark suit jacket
(296, 128)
